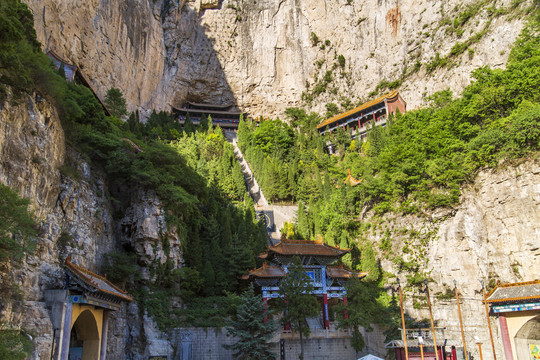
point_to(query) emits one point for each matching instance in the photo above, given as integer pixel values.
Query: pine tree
(295, 289)
(239, 182)
(327, 187)
(189, 128)
(302, 221)
(17, 225)
(252, 333)
(203, 124)
(209, 279)
(115, 102)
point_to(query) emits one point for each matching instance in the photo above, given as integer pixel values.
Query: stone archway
(528, 334)
(84, 338)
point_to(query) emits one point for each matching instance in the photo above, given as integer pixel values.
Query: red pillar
(505, 337)
(265, 301)
(325, 311)
(345, 313)
(287, 325)
(441, 354)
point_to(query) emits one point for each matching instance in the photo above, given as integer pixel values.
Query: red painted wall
(396, 103)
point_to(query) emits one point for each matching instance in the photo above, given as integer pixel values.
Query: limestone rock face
(492, 235)
(69, 203)
(262, 55)
(114, 43)
(144, 228)
(69, 198)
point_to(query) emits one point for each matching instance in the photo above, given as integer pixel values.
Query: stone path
(281, 213)
(252, 185)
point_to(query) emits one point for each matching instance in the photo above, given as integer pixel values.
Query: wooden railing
(318, 334)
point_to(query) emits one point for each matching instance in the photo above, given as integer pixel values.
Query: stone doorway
(84, 338)
(527, 339)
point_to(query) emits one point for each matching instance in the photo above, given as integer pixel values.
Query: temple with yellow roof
(317, 258)
(372, 113)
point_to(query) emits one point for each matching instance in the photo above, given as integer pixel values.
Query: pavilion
(372, 113)
(517, 307)
(222, 115)
(317, 258)
(80, 313)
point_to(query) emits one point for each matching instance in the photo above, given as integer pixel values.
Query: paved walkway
(281, 213)
(252, 185)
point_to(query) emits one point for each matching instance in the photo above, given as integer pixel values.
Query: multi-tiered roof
(316, 257)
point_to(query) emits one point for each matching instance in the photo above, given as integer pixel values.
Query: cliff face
(260, 55)
(492, 235)
(72, 204)
(114, 43)
(263, 55)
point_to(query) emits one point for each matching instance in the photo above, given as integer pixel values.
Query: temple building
(372, 113)
(222, 115)
(517, 307)
(447, 349)
(73, 73)
(80, 313)
(69, 69)
(317, 258)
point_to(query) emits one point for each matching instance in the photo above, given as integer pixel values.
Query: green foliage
(20, 54)
(120, 268)
(295, 289)
(341, 61)
(17, 226)
(331, 110)
(249, 328)
(314, 39)
(115, 102)
(14, 345)
(436, 62)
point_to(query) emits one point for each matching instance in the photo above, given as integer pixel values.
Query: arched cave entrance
(84, 338)
(527, 339)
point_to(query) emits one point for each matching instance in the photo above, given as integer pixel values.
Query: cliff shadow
(193, 70)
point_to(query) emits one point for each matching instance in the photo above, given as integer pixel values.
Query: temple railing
(318, 334)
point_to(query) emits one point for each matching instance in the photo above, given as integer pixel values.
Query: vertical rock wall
(262, 55)
(493, 234)
(72, 204)
(114, 43)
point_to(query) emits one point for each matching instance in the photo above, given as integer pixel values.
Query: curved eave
(517, 299)
(86, 276)
(390, 96)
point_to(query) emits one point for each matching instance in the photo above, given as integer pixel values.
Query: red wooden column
(505, 337)
(265, 301)
(345, 313)
(325, 311)
(287, 325)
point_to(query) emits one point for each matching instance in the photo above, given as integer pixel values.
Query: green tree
(189, 128)
(115, 102)
(296, 289)
(14, 345)
(252, 333)
(17, 225)
(203, 124)
(302, 221)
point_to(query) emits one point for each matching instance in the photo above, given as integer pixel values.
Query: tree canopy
(295, 289)
(250, 329)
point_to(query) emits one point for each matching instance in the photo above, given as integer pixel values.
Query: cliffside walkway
(281, 214)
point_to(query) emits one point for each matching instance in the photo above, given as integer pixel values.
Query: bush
(14, 345)
(18, 228)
